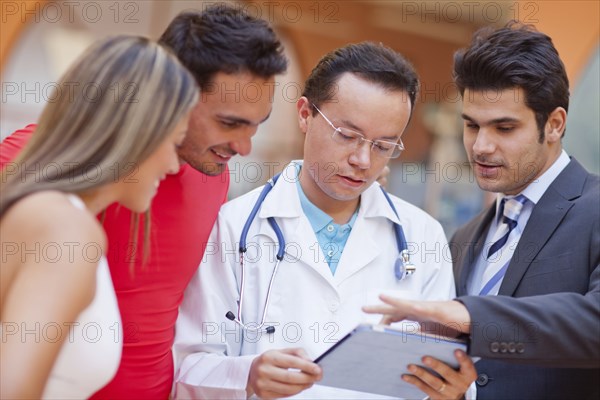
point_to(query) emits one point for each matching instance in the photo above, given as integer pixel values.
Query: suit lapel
(545, 219)
(473, 246)
(541, 225)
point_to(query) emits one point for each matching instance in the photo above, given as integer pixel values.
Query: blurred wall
(39, 39)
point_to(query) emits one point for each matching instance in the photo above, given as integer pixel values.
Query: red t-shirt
(182, 215)
(12, 145)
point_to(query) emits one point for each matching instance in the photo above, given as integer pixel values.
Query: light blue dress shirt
(332, 237)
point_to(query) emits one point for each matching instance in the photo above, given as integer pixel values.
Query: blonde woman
(109, 134)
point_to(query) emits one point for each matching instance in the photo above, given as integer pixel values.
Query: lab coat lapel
(374, 219)
(359, 251)
(283, 205)
(283, 200)
(302, 246)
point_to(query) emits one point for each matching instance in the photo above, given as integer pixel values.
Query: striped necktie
(500, 253)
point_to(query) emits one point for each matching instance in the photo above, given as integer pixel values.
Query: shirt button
(333, 306)
(330, 228)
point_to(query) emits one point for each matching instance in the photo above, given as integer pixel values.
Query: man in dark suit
(528, 268)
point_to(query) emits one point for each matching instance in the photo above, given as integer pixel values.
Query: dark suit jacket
(546, 346)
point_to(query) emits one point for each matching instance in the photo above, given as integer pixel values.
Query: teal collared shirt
(332, 237)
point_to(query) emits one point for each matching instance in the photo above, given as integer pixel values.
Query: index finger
(467, 365)
(298, 351)
(378, 309)
(294, 361)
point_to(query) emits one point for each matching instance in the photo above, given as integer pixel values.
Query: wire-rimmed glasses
(352, 139)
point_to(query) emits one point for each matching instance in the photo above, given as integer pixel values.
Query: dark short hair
(372, 62)
(224, 39)
(515, 56)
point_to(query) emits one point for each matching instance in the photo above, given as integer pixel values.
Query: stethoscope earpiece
(231, 316)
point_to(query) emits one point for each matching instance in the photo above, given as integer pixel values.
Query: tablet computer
(373, 358)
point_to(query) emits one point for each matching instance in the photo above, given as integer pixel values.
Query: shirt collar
(318, 218)
(284, 199)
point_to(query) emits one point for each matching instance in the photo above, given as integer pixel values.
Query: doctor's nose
(361, 156)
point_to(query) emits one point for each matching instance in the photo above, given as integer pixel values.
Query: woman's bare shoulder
(50, 215)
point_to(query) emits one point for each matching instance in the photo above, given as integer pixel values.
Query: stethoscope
(403, 268)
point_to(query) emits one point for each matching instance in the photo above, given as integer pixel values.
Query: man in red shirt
(228, 52)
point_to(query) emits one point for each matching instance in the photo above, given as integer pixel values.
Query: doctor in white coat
(340, 247)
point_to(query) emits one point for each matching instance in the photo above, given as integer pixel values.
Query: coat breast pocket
(552, 275)
(549, 265)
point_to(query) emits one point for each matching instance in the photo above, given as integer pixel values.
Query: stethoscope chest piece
(403, 268)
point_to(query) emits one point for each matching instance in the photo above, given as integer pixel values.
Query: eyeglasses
(352, 140)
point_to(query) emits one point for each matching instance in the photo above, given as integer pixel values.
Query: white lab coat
(309, 307)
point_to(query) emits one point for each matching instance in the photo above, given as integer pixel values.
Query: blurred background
(39, 40)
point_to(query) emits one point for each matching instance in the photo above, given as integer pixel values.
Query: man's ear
(555, 126)
(304, 108)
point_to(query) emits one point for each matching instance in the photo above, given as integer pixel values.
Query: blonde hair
(108, 113)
